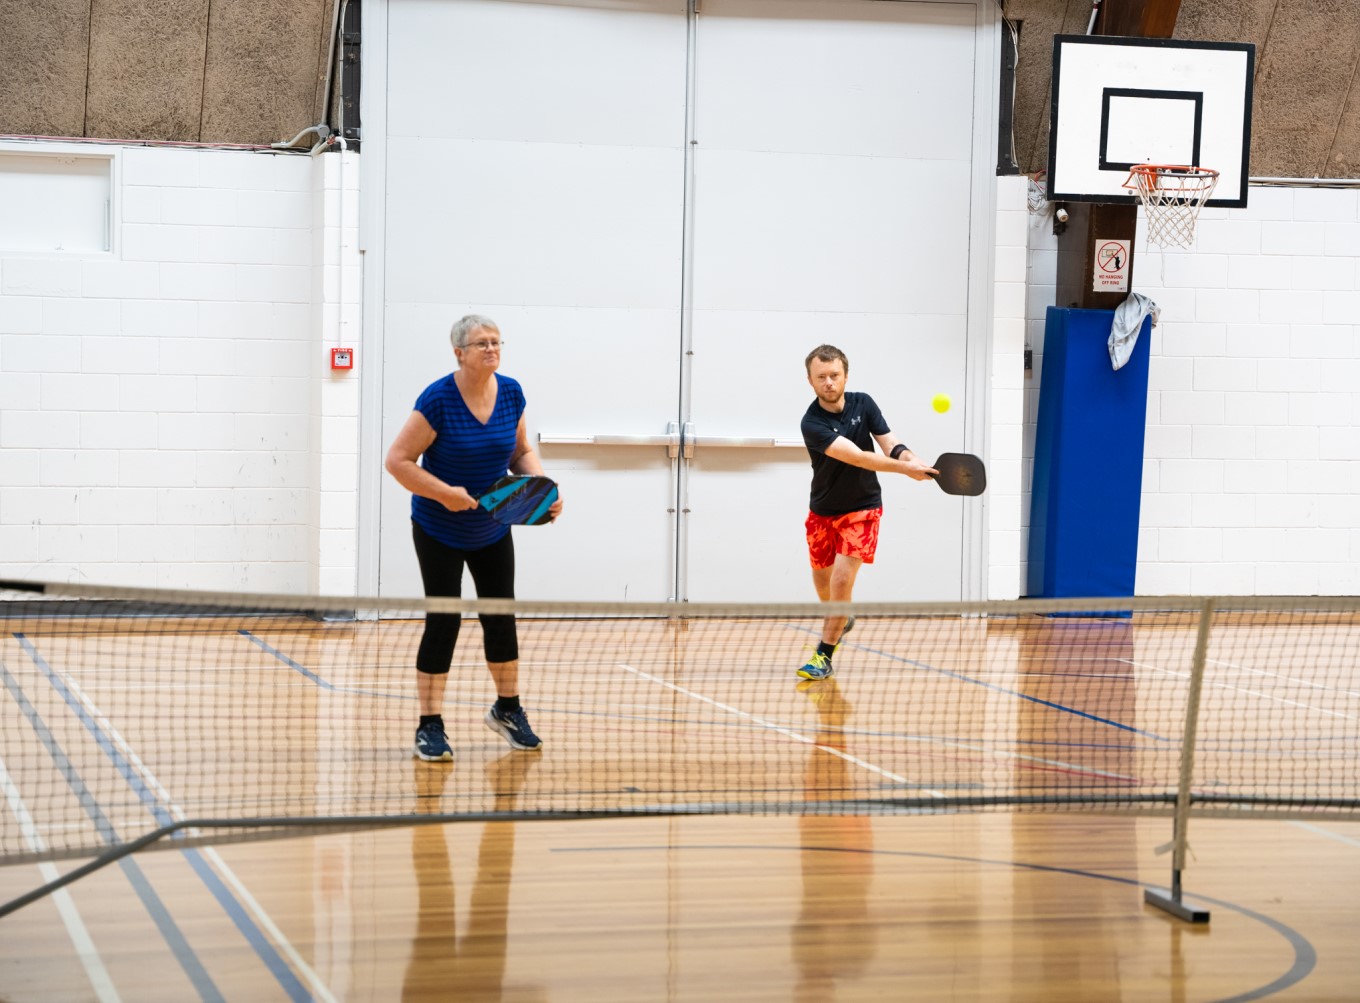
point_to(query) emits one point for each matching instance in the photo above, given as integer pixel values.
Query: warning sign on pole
(1112, 267)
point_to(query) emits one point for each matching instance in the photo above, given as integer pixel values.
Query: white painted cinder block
(1222, 578)
(20, 315)
(1260, 271)
(160, 167)
(198, 281)
(118, 430)
(1325, 204)
(1233, 235)
(159, 318)
(40, 430)
(1340, 307)
(39, 276)
(141, 204)
(168, 385)
(288, 209)
(198, 206)
(197, 431)
(125, 280)
(160, 242)
(1270, 413)
(1341, 240)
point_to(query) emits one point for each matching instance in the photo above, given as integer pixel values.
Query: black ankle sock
(431, 719)
(826, 649)
(506, 704)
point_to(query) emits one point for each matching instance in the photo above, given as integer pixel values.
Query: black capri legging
(441, 569)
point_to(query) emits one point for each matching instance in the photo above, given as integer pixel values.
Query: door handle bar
(676, 440)
(744, 441)
(671, 439)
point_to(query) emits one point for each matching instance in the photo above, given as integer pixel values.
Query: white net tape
(1172, 198)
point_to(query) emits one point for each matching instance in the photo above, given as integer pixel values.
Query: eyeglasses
(486, 346)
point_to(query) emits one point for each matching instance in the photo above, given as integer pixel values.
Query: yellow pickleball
(940, 402)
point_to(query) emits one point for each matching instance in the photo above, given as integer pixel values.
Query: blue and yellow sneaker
(818, 667)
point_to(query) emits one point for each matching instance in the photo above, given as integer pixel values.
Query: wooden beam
(1138, 18)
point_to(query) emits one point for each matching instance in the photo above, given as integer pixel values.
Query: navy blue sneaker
(513, 726)
(432, 745)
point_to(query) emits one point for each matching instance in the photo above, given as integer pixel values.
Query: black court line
(1305, 955)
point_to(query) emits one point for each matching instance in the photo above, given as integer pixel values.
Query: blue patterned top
(468, 454)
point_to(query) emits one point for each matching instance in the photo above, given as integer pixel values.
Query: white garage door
(665, 214)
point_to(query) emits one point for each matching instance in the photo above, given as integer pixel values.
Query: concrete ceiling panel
(146, 68)
(252, 71)
(1216, 21)
(1343, 160)
(43, 46)
(260, 82)
(1304, 79)
(1306, 112)
(1039, 21)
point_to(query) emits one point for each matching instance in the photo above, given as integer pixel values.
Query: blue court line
(1006, 690)
(174, 937)
(324, 684)
(309, 674)
(331, 687)
(248, 928)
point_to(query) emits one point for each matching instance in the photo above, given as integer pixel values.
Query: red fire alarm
(342, 358)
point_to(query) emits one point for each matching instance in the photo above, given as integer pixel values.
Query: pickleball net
(137, 718)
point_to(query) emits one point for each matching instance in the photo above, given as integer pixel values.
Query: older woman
(466, 431)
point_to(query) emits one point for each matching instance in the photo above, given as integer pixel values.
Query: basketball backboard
(1121, 101)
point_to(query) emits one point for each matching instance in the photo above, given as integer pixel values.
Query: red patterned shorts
(854, 534)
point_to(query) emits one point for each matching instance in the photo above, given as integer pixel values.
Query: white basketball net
(1172, 198)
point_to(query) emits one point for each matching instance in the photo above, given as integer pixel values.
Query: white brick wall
(1252, 460)
(1006, 387)
(164, 408)
(336, 300)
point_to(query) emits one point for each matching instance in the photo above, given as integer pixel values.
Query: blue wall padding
(1088, 459)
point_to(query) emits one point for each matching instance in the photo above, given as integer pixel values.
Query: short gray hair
(466, 325)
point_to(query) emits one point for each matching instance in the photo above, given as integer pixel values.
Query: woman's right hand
(457, 499)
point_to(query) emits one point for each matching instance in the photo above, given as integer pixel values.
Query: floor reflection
(832, 938)
(1080, 677)
(444, 965)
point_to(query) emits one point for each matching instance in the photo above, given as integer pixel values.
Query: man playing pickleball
(840, 429)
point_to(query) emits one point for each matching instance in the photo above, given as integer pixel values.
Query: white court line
(780, 729)
(1254, 693)
(797, 736)
(1156, 668)
(1282, 700)
(1324, 832)
(89, 956)
(319, 988)
(1281, 675)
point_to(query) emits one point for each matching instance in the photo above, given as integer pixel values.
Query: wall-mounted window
(56, 203)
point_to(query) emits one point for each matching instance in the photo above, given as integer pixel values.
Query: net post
(1170, 899)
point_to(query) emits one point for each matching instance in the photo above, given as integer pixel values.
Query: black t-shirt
(838, 488)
